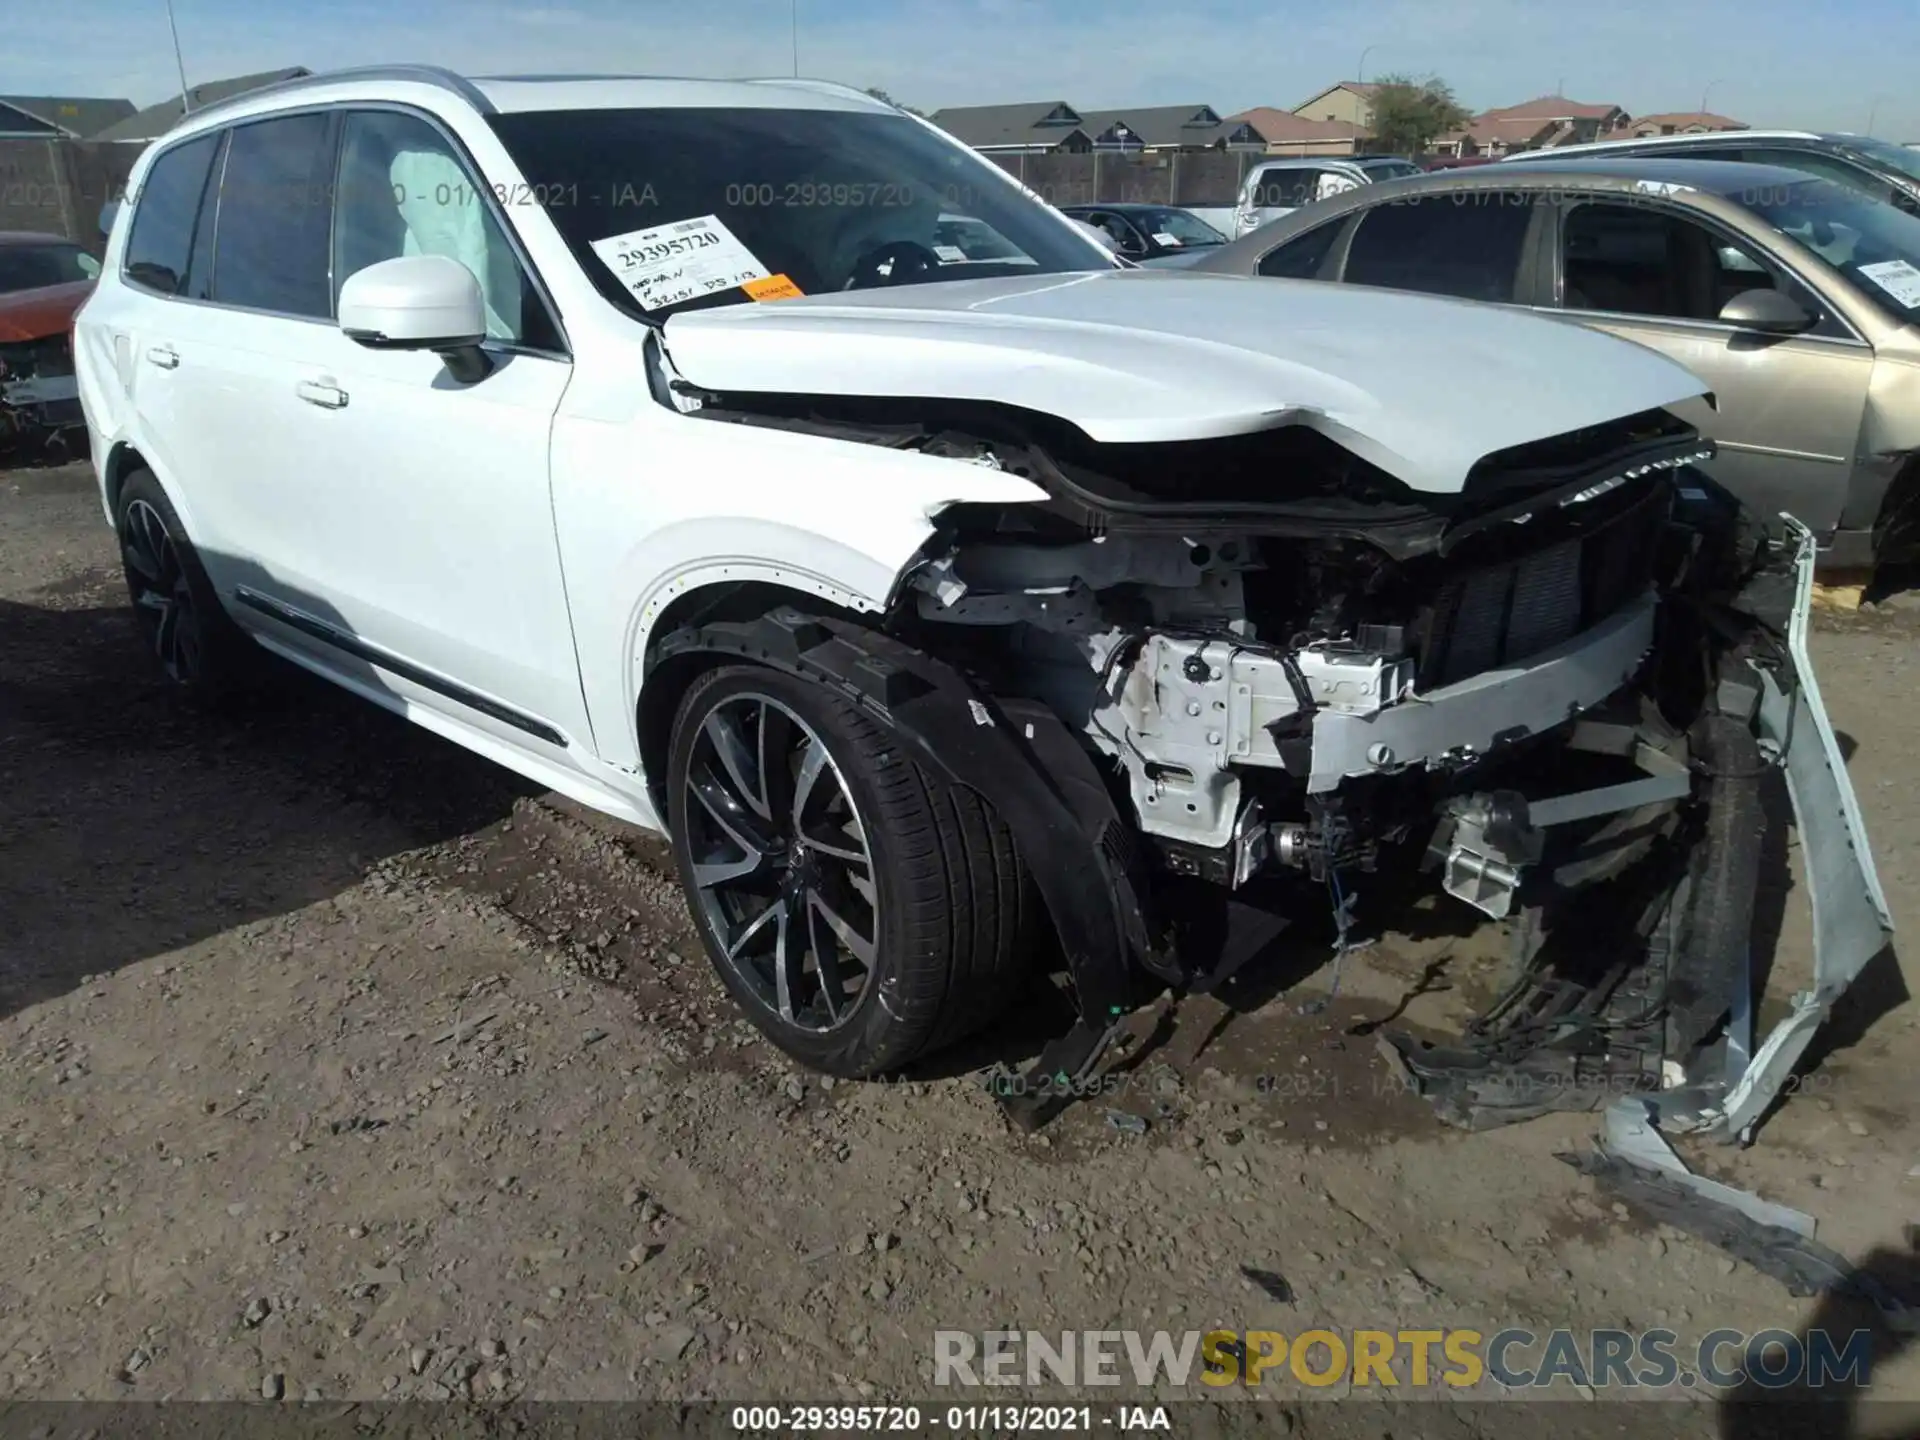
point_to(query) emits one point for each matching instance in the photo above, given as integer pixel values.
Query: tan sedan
(1795, 299)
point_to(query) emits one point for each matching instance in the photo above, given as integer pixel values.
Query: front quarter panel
(655, 505)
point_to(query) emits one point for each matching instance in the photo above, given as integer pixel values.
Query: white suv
(650, 438)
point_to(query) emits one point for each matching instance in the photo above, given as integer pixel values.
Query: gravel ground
(336, 1063)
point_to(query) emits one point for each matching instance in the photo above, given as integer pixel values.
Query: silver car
(1794, 298)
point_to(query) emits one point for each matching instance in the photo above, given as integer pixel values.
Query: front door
(394, 525)
(1788, 407)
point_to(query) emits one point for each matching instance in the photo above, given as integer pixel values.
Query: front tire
(862, 911)
(200, 650)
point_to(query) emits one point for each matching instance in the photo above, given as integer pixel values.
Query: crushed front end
(1556, 696)
(39, 393)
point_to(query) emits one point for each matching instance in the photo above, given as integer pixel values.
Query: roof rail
(419, 74)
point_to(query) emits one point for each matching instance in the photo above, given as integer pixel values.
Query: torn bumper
(1851, 922)
(1669, 1015)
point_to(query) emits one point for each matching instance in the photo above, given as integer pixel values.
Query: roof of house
(1682, 119)
(1512, 129)
(1283, 126)
(1036, 122)
(1161, 125)
(77, 116)
(156, 120)
(1365, 89)
(1551, 107)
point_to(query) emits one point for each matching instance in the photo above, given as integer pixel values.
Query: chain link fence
(1175, 177)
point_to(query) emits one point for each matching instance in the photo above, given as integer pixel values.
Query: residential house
(1289, 133)
(58, 117)
(1681, 122)
(1169, 127)
(1535, 125)
(156, 120)
(1037, 127)
(1350, 102)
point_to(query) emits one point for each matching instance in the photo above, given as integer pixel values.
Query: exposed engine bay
(1302, 684)
(39, 401)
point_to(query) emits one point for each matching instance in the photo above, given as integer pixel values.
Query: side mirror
(1767, 311)
(419, 302)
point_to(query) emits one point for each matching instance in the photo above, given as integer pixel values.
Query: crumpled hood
(46, 310)
(1421, 387)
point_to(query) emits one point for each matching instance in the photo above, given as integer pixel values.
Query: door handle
(323, 393)
(165, 356)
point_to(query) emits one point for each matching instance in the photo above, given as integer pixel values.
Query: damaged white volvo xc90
(754, 462)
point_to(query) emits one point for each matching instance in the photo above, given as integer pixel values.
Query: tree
(1409, 113)
(885, 99)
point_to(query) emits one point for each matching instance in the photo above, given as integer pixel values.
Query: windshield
(29, 267)
(1178, 227)
(1390, 170)
(1875, 246)
(673, 209)
(1897, 158)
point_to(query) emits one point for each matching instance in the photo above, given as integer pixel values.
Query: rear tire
(207, 657)
(862, 911)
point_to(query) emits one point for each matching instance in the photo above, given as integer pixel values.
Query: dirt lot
(337, 1063)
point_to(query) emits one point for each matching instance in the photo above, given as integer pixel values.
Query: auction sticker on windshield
(682, 261)
(1898, 278)
(1161, 237)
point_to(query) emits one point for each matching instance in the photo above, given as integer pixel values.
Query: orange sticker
(774, 287)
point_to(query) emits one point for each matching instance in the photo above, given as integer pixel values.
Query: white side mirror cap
(414, 302)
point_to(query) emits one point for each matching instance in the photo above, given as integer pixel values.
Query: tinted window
(160, 246)
(1117, 228)
(404, 191)
(1301, 257)
(275, 217)
(676, 207)
(29, 267)
(1636, 260)
(1463, 243)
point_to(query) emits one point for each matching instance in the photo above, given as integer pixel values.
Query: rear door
(130, 333)
(258, 298)
(1789, 407)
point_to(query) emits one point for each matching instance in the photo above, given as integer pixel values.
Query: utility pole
(793, 14)
(186, 99)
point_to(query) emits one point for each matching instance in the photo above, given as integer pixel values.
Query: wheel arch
(738, 592)
(122, 460)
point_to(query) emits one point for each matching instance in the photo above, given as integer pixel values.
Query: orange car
(43, 280)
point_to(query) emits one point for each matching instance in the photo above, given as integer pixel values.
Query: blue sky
(1766, 61)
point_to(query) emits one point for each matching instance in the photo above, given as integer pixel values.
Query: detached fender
(1018, 757)
(1851, 919)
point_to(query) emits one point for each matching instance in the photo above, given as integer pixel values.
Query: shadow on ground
(135, 825)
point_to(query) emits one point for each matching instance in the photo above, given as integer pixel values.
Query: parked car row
(957, 595)
(1793, 296)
